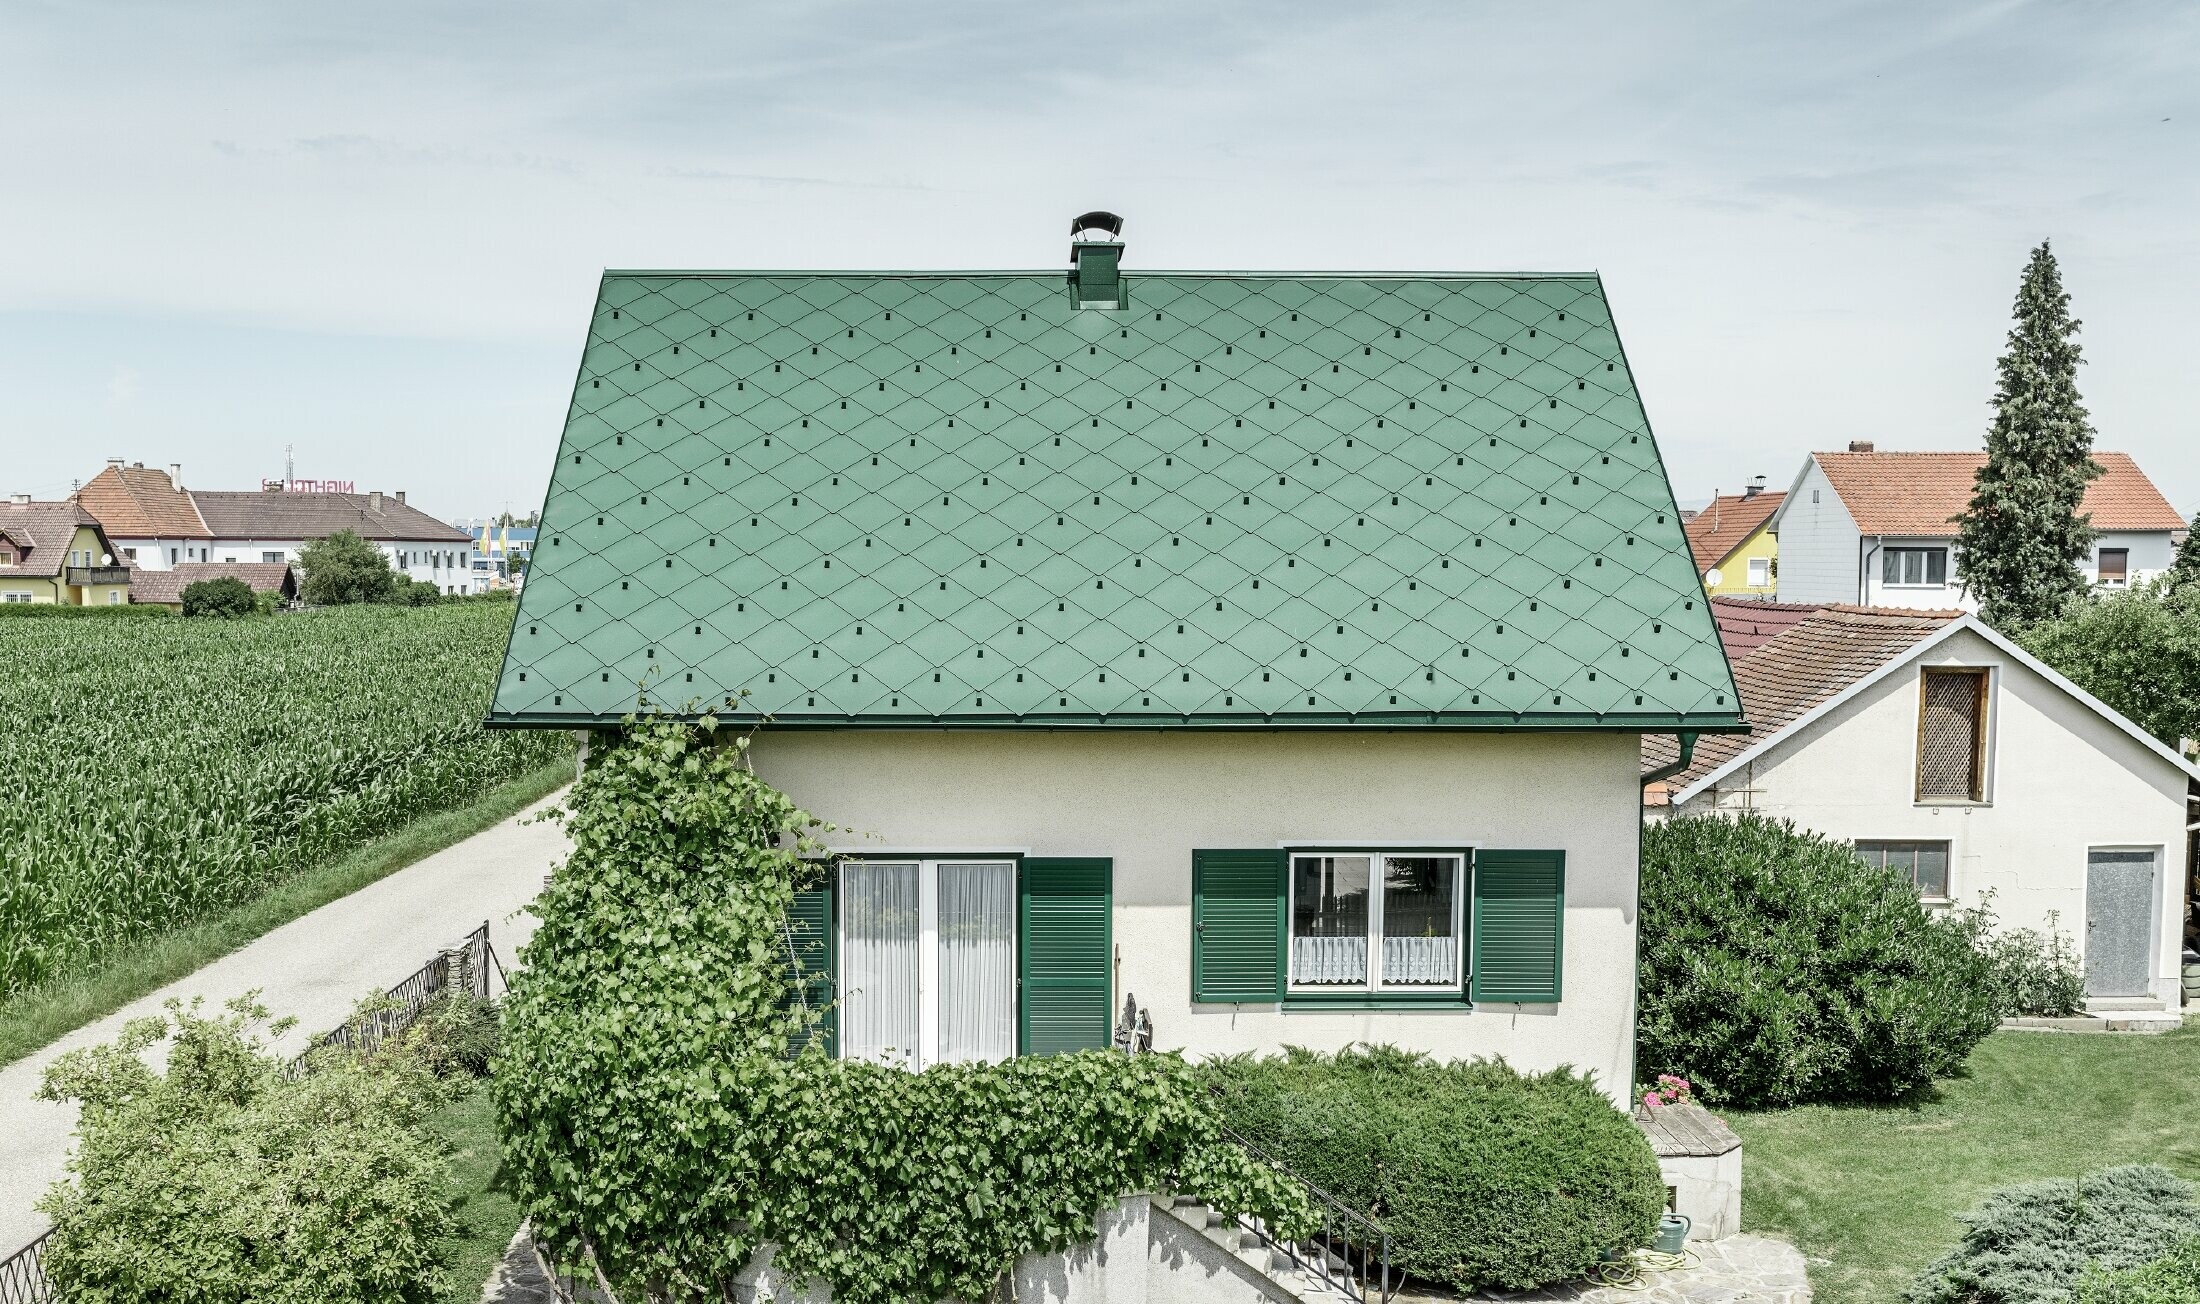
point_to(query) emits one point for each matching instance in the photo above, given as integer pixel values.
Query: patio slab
(1736, 1270)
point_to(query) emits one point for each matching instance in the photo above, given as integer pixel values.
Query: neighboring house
(274, 525)
(1879, 529)
(1732, 539)
(160, 525)
(165, 587)
(1273, 649)
(56, 552)
(500, 553)
(1938, 747)
(148, 514)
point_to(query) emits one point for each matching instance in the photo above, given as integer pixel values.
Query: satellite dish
(1712, 577)
(106, 559)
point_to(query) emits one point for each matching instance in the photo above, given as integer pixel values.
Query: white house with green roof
(1271, 649)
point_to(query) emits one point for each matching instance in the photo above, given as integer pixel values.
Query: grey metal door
(2119, 921)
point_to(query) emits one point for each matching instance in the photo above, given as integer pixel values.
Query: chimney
(137, 466)
(1095, 278)
(175, 474)
(400, 498)
(22, 500)
(115, 462)
(374, 500)
(1860, 445)
(1754, 487)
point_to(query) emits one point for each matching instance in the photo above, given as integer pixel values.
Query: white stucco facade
(1147, 799)
(2063, 780)
(447, 566)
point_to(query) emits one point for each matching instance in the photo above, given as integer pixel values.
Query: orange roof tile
(1790, 674)
(1746, 624)
(140, 502)
(1923, 493)
(1716, 531)
(166, 586)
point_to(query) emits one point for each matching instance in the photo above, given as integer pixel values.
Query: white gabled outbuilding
(1939, 747)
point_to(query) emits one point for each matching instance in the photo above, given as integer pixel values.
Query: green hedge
(1482, 1175)
(2036, 1243)
(1777, 968)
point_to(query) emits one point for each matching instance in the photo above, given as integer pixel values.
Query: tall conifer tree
(2022, 536)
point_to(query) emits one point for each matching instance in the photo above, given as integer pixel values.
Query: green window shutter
(1237, 925)
(1065, 955)
(1519, 923)
(810, 962)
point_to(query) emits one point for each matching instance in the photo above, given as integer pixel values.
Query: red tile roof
(48, 528)
(167, 586)
(1716, 531)
(140, 502)
(1745, 624)
(272, 514)
(1791, 674)
(1923, 493)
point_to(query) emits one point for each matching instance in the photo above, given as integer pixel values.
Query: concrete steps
(1294, 1271)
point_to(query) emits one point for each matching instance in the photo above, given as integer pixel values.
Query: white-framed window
(15, 595)
(928, 959)
(1376, 921)
(1925, 864)
(2114, 568)
(271, 557)
(1914, 567)
(114, 598)
(1760, 572)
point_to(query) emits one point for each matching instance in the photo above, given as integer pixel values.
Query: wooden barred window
(1951, 736)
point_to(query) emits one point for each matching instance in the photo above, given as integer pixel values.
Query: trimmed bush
(1777, 968)
(1482, 1175)
(2034, 1244)
(2172, 1279)
(227, 597)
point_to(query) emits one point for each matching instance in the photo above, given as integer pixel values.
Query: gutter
(1687, 740)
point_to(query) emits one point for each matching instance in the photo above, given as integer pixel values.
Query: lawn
(1871, 1193)
(484, 1213)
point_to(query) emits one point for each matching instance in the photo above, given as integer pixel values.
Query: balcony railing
(98, 575)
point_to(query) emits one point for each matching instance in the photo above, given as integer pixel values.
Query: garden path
(1733, 1270)
(315, 967)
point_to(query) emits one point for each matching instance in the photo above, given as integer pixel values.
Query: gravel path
(315, 967)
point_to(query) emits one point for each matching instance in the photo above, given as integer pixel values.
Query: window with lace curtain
(1376, 921)
(928, 960)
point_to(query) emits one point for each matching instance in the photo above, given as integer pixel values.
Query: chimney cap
(114, 461)
(1098, 219)
(1860, 446)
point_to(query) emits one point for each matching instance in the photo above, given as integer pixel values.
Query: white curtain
(977, 922)
(1329, 960)
(879, 929)
(1420, 960)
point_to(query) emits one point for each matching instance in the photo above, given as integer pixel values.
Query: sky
(371, 233)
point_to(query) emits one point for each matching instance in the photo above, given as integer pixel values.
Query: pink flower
(1650, 1100)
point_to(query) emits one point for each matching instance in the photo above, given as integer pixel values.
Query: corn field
(158, 771)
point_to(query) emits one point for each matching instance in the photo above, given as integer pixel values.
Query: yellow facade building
(1732, 540)
(57, 553)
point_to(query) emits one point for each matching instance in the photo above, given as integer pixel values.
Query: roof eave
(1549, 722)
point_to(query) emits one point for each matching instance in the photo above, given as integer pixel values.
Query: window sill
(1960, 803)
(1376, 1001)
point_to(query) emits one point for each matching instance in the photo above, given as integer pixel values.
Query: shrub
(227, 597)
(653, 1117)
(416, 593)
(1776, 967)
(2034, 1244)
(2137, 650)
(222, 1180)
(1482, 1175)
(2034, 973)
(2172, 1279)
(344, 568)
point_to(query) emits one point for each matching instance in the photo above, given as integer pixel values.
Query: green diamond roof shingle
(1245, 499)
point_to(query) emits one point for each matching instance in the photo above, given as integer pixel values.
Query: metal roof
(1245, 500)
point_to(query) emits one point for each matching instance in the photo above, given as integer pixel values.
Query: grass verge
(35, 1018)
(483, 1213)
(1870, 1193)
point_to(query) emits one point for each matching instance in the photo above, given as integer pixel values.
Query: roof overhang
(1447, 721)
(1916, 651)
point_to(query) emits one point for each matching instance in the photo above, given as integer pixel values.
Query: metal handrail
(1347, 1253)
(23, 1273)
